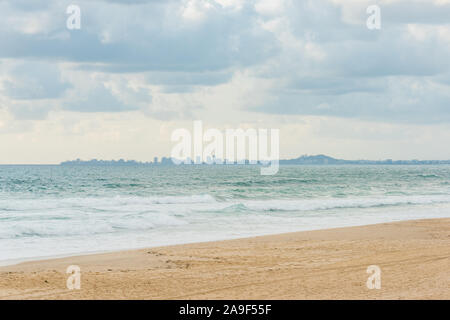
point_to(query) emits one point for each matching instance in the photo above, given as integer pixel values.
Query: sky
(136, 70)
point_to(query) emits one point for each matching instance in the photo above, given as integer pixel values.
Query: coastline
(413, 256)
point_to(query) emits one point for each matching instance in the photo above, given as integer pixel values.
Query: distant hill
(302, 160)
(318, 159)
(323, 160)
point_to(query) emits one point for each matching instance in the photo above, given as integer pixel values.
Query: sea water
(48, 211)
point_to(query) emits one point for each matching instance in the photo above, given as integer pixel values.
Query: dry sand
(414, 257)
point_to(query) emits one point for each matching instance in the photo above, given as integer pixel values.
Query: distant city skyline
(304, 159)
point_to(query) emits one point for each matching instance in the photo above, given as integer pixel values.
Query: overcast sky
(138, 69)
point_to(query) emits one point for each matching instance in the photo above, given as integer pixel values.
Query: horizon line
(235, 162)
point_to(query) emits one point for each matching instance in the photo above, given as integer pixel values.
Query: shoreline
(18, 261)
(325, 264)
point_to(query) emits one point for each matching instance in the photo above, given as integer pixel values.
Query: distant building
(166, 161)
(155, 160)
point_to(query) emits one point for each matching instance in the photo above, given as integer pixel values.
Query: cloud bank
(226, 60)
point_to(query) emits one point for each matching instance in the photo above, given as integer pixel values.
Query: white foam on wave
(340, 203)
(73, 216)
(50, 203)
(43, 227)
(91, 216)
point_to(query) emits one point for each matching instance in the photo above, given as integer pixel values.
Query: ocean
(51, 211)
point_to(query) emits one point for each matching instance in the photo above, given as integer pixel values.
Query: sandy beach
(414, 257)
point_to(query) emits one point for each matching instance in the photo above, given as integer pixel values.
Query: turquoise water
(59, 210)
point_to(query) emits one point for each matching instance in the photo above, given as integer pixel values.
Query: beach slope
(414, 258)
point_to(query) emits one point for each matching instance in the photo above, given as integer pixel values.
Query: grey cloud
(384, 75)
(35, 81)
(223, 40)
(27, 5)
(193, 78)
(178, 89)
(334, 85)
(408, 11)
(31, 110)
(133, 2)
(98, 99)
(375, 75)
(404, 101)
